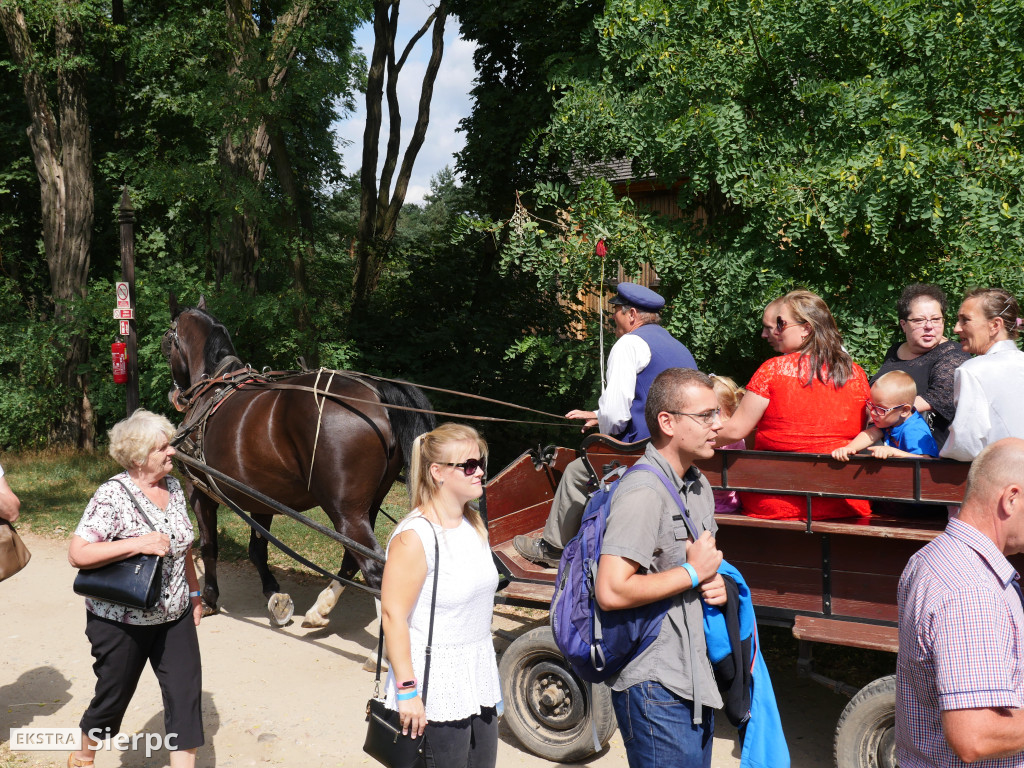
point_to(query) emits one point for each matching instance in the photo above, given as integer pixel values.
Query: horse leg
(205, 510)
(316, 616)
(279, 604)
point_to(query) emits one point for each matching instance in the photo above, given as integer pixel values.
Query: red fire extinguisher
(120, 359)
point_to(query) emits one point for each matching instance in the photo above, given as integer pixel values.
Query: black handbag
(134, 582)
(385, 741)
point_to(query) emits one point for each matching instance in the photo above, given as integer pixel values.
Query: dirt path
(289, 697)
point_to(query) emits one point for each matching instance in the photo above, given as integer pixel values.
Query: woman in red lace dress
(809, 399)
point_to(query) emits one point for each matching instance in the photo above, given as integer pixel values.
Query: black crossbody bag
(385, 741)
(133, 582)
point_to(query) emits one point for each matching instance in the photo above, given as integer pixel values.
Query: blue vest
(666, 352)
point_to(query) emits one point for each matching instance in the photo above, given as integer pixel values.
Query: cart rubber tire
(547, 706)
(866, 733)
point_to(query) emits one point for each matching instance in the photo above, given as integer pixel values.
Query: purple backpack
(599, 643)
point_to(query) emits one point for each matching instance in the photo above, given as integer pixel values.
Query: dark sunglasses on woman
(469, 467)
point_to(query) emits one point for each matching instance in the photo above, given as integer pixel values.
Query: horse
(315, 438)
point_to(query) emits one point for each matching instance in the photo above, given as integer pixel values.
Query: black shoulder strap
(430, 631)
(135, 501)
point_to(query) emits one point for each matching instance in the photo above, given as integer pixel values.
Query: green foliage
(446, 316)
(847, 146)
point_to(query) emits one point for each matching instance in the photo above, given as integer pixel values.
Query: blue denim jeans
(657, 728)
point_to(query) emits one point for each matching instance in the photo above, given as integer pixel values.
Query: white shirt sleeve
(972, 423)
(629, 355)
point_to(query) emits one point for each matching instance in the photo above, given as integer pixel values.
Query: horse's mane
(218, 341)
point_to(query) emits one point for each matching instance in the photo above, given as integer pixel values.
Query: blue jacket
(763, 742)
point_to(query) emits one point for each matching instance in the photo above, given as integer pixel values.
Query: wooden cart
(830, 581)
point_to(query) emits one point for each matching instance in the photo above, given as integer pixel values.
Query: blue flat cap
(638, 296)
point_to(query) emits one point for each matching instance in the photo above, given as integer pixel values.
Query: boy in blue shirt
(895, 425)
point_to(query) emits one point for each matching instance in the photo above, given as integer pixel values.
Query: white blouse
(463, 667)
(986, 390)
(111, 515)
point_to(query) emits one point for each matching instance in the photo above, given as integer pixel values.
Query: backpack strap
(682, 515)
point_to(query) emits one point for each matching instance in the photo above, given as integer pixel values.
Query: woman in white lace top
(460, 717)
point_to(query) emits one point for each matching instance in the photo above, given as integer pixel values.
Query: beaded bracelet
(406, 695)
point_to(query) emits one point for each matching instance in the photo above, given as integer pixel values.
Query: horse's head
(194, 345)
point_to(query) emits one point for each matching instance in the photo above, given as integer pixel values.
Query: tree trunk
(245, 148)
(379, 206)
(63, 160)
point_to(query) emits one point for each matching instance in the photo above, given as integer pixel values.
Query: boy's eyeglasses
(469, 467)
(707, 418)
(877, 410)
(918, 322)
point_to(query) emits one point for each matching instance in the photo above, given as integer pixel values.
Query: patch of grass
(55, 485)
(233, 535)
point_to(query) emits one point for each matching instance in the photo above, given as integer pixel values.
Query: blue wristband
(406, 695)
(197, 593)
(693, 575)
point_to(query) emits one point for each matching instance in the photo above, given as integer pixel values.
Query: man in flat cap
(643, 350)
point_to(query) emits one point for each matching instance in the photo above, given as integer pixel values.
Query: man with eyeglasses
(643, 350)
(664, 698)
(960, 671)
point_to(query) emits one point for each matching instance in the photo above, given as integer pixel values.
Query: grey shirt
(640, 528)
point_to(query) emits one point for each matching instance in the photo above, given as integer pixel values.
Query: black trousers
(469, 743)
(121, 651)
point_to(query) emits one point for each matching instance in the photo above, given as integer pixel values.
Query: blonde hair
(728, 392)
(441, 446)
(134, 438)
(898, 384)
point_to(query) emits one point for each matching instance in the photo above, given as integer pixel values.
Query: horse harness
(231, 377)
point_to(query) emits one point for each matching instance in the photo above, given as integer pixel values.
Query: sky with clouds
(450, 103)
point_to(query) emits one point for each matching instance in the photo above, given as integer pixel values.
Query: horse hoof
(281, 609)
(314, 619)
(209, 610)
(370, 664)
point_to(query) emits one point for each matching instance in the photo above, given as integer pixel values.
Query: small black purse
(133, 582)
(385, 741)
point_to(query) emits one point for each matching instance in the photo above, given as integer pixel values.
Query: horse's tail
(406, 425)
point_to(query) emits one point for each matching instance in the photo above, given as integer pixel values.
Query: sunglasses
(779, 326)
(469, 467)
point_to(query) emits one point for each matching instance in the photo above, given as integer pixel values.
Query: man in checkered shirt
(960, 670)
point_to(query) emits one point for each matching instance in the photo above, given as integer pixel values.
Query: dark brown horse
(324, 440)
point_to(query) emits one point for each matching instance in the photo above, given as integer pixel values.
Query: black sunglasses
(469, 467)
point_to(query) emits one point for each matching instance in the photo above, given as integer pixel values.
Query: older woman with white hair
(124, 639)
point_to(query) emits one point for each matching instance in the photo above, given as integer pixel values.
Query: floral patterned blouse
(111, 515)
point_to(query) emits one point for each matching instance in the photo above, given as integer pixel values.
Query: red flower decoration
(600, 249)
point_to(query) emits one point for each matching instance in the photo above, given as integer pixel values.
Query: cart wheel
(866, 734)
(547, 706)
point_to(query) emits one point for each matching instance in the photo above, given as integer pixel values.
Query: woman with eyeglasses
(809, 399)
(460, 717)
(926, 355)
(987, 387)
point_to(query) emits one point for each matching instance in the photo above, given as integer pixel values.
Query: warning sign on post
(124, 314)
(124, 327)
(123, 300)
